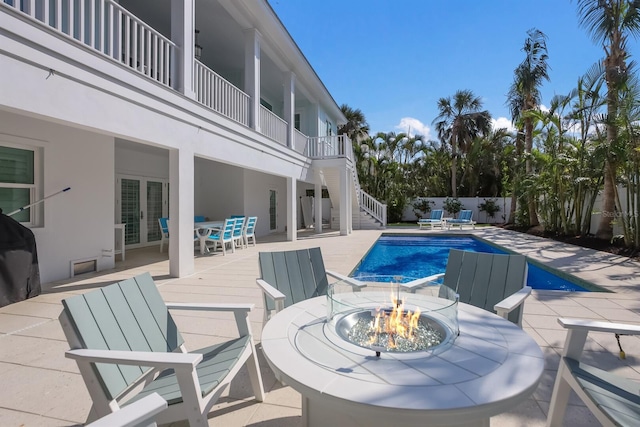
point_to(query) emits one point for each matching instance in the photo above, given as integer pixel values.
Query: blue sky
(393, 59)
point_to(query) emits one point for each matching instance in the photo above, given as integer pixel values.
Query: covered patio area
(43, 388)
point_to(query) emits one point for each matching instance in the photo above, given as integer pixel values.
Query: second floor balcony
(233, 71)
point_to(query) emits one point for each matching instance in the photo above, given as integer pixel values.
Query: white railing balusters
(300, 141)
(213, 91)
(273, 126)
(46, 17)
(58, 5)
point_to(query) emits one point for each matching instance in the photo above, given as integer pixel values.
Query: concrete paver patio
(40, 387)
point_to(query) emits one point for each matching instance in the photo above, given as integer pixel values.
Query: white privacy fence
(108, 28)
(468, 203)
(215, 92)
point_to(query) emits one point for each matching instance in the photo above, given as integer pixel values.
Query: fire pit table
(480, 364)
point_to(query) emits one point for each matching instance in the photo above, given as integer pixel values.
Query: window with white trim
(19, 181)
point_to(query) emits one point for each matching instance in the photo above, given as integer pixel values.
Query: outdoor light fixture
(197, 49)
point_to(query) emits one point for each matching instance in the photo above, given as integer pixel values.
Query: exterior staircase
(331, 155)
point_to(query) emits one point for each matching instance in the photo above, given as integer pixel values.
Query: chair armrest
(346, 279)
(138, 358)
(510, 303)
(134, 414)
(270, 291)
(210, 306)
(599, 326)
(418, 283)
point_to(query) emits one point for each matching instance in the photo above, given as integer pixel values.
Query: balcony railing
(324, 147)
(300, 142)
(273, 126)
(108, 28)
(218, 94)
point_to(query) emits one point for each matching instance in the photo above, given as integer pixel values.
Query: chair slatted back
(250, 225)
(298, 274)
(465, 215)
(198, 218)
(130, 316)
(164, 226)
(483, 279)
(227, 228)
(437, 214)
(238, 226)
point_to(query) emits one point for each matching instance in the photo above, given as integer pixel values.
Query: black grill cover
(19, 272)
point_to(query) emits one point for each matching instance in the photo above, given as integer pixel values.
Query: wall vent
(84, 266)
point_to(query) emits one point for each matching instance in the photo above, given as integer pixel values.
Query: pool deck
(40, 387)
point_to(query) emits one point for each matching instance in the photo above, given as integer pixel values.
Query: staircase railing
(373, 207)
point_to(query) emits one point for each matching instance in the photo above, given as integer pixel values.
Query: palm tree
(356, 127)
(460, 120)
(524, 96)
(610, 22)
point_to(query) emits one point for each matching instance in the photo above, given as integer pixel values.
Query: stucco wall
(78, 224)
(256, 200)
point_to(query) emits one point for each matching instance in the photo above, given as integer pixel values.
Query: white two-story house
(162, 108)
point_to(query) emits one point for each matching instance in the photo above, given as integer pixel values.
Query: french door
(140, 201)
(273, 210)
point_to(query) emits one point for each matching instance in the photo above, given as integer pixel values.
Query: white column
(252, 38)
(344, 200)
(318, 205)
(350, 190)
(181, 197)
(292, 218)
(290, 106)
(182, 34)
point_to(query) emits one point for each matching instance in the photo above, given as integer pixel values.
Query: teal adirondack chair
(292, 276)
(494, 282)
(613, 399)
(123, 337)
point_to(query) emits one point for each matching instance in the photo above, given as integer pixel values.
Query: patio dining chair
(164, 231)
(493, 282)
(238, 229)
(289, 277)
(249, 231)
(613, 399)
(223, 236)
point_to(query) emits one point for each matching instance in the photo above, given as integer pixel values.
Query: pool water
(419, 256)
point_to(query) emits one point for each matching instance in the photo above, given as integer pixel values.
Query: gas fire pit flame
(391, 329)
(394, 325)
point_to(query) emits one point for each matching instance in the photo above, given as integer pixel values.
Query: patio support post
(252, 38)
(318, 205)
(344, 201)
(350, 190)
(182, 34)
(289, 105)
(181, 199)
(292, 220)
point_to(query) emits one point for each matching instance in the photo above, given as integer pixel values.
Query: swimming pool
(412, 256)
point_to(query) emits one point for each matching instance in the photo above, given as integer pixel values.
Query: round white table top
(492, 366)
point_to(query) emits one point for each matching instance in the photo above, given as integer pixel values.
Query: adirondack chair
(292, 276)
(612, 399)
(494, 282)
(434, 220)
(138, 414)
(127, 346)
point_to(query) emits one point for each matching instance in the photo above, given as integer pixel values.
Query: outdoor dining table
(490, 367)
(202, 227)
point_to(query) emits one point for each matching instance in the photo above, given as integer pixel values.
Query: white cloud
(502, 122)
(414, 127)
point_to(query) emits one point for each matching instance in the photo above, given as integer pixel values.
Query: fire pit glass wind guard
(385, 317)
